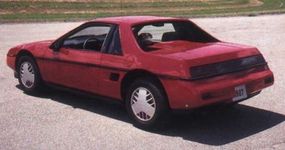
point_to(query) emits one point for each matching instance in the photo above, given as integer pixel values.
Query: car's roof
(131, 20)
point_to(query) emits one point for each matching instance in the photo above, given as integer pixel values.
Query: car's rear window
(157, 31)
(164, 33)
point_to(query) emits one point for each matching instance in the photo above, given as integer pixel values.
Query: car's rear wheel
(29, 77)
(146, 104)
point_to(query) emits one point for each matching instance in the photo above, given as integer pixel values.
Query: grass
(41, 10)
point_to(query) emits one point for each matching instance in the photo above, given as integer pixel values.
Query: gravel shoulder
(60, 120)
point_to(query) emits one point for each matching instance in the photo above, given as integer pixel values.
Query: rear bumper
(184, 94)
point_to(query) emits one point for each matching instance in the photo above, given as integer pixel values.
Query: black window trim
(109, 39)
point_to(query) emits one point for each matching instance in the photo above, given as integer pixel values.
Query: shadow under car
(206, 126)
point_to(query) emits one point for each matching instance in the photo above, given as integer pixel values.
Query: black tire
(35, 86)
(161, 114)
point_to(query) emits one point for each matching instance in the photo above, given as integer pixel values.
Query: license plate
(240, 93)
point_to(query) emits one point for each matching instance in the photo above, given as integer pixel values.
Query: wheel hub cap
(143, 104)
(27, 75)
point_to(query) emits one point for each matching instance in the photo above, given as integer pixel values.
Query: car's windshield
(155, 36)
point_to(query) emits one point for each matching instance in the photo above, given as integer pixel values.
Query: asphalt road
(59, 120)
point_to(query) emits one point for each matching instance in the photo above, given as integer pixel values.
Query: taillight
(215, 69)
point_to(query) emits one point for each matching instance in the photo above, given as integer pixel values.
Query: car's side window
(89, 38)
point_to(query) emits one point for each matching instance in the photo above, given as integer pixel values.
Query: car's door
(115, 66)
(77, 62)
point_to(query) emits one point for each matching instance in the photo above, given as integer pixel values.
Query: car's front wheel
(29, 76)
(146, 104)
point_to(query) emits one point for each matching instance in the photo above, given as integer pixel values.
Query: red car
(152, 64)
